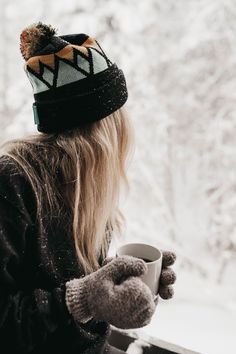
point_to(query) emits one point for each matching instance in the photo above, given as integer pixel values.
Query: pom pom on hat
(35, 37)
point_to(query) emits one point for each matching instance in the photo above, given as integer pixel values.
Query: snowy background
(179, 58)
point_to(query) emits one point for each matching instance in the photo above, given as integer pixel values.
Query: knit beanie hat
(74, 83)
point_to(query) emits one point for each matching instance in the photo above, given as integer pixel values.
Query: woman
(59, 192)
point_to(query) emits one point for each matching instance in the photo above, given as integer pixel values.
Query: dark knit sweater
(34, 267)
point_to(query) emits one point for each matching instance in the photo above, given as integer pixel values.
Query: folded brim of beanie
(79, 103)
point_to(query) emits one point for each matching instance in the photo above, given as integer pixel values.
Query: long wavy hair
(83, 170)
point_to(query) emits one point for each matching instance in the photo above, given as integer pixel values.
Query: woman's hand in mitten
(115, 294)
(168, 276)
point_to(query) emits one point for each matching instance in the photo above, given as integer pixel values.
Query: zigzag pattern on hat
(72, 63)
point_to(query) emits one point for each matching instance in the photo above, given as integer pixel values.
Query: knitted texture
(115, 293)
(76, 299)
(167, 277)
(74, 82)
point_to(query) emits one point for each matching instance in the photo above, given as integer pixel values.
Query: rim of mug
(140, 244)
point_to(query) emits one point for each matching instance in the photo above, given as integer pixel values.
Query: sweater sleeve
(26, 316)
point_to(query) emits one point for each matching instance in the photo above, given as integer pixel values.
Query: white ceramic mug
(154, 257)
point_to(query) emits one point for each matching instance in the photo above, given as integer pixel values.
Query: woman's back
(37, 263)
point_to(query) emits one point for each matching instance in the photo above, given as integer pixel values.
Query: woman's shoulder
(11, 172)
(14, 184)
(6, 162)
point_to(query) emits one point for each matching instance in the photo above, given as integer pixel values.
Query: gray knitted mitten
(114, 294)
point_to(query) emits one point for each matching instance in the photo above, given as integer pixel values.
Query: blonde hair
(81, 169)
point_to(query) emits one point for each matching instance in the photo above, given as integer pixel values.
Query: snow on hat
(73, 81)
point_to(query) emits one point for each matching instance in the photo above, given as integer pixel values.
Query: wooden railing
(131, 343)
